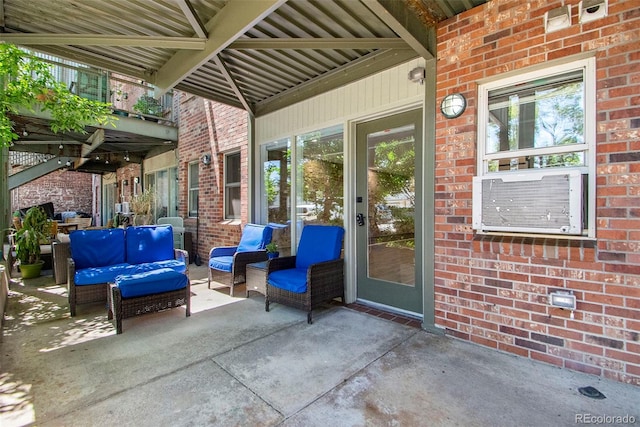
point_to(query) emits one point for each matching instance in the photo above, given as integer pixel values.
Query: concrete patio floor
(233, 364)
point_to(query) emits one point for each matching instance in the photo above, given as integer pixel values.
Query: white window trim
(589, 67)
(226, 185)
(189, 189)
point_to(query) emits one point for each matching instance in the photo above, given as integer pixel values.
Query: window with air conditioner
(536, 152)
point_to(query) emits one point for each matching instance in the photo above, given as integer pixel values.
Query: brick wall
(207, 127)
(492, 290)
(68, 190)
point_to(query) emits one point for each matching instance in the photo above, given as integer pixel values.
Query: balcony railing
(129, 97)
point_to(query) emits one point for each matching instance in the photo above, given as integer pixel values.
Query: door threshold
(388, 313)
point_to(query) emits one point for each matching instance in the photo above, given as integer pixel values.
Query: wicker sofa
(97, 257)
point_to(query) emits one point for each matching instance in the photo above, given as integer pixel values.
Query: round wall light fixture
(453, 105)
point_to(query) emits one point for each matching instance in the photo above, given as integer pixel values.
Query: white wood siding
(385, 90)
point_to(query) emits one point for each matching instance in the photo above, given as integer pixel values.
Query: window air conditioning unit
(125, 207)
(118, 207)
(543, 201)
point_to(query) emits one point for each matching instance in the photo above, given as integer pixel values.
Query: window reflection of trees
(392, 191)
(277, 183)
(538, 115)
(322, 180)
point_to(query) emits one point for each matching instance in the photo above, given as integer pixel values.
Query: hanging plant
(27, 82)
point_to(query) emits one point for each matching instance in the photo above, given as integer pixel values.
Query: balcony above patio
(143, 126)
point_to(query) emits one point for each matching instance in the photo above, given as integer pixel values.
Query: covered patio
(291, 65)
(231, 364)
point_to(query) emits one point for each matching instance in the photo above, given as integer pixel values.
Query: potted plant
(141, 206)
(272, 250)
(148, 105)
(34, 232)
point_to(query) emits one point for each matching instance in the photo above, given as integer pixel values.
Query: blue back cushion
(149, 243)
(254, 237)
(319, 243)
(97, 248)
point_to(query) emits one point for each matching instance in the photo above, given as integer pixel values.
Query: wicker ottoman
(149, 292)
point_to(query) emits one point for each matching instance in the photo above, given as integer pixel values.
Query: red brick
(524, 270)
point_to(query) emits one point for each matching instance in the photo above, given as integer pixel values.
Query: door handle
(360, 219)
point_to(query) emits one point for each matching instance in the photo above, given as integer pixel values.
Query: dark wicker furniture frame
(60, 252)
(325, 281)
(122, 308)
(238, 274)
(98, 293)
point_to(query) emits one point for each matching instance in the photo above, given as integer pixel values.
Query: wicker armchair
(313, 276)
(228, 264)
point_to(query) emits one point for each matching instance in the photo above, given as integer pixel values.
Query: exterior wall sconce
(206, 159)
(417, 75)
(125, 182)
(557, 19)
(453, 105)
(136, 180)
(590, 10)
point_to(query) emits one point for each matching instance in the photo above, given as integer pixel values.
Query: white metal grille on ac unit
(540, 201)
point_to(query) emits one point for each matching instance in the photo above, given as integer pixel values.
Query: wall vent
(541, 201)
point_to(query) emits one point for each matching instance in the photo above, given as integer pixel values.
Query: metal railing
(128, 96)
(19, 160)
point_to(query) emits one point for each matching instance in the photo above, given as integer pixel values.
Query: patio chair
(178, 229)
(228, 264)
(311, 277)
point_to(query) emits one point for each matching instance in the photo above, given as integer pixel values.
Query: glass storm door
(387, 211)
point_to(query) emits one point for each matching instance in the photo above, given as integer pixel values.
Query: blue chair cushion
(223, 251)
(254, 237)
(96, 275)
(222, 263)
(173, 264)
(97, 248)
(293, 279)
(319, 243)
(150, 282)
(149, 243)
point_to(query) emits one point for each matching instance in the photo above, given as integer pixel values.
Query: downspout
(428, 170)
(252, 206)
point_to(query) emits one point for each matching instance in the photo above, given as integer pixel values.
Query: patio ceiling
(258, 55)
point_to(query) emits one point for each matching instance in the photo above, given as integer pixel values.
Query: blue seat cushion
(173, 264)
(293, 279)
(150, 282)
(96, 275)
(254, 237)
(319, 243)
(97, 248)
(149, 243)
(222, 263)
